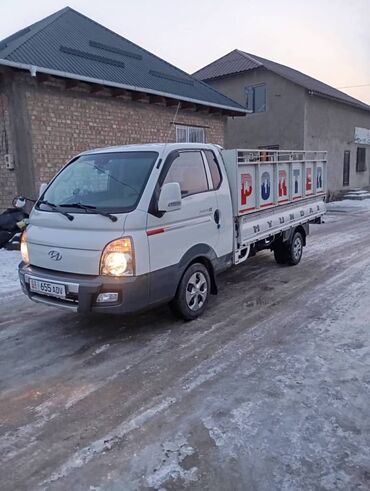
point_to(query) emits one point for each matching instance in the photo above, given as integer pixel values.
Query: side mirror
(19, 202)
(170, 197)
(43, 186)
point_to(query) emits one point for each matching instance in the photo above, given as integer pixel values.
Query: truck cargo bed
(259, 226)
(272, 192)
(265, 179)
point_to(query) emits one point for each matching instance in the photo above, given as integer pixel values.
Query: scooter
(12, 223)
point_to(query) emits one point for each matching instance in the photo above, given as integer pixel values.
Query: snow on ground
(9, 260)
(348, 204)
(9, 283)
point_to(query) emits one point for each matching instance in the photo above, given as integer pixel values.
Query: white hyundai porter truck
(123, 229)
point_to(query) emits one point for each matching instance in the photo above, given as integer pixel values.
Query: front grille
(67, 300)
(57, 302)
(70, 301)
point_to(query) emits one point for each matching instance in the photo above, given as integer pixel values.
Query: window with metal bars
(361, 159)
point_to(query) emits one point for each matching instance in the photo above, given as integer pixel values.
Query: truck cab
(125, 228)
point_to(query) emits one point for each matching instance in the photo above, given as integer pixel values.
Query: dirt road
(270, 390)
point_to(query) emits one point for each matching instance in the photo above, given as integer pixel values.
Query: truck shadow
(249, 284)
(161, 319)
(92, 339)
(120, 326)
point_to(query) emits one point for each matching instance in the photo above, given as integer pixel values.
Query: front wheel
(193, 292)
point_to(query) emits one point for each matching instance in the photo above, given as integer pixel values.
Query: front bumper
(83, 290)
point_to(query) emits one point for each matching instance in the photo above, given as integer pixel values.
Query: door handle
(216, 217)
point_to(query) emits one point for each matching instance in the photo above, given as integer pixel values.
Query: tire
(281, 254)
(5, 236)
(295, 249)
(192, 293)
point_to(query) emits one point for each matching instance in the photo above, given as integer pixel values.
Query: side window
(188, 170)
(214, 168)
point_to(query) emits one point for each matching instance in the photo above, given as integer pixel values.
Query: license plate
(47, 288)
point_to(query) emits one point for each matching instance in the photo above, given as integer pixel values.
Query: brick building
(68, 84)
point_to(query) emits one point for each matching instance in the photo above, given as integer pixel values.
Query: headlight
(24, 249)
(118, 258)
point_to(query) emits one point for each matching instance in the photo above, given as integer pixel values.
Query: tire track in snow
(108, 441)
(207, 371)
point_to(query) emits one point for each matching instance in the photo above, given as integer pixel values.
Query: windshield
(112, 182)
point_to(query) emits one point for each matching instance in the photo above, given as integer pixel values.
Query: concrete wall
(282, 123)
(330, 126)
(52, 123)
(295, 120)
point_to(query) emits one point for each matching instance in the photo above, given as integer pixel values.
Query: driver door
(172, 235)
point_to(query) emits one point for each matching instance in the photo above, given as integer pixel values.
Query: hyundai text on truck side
(125, 228)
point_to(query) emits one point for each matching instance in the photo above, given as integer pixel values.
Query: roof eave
(358, 105)
(234, 111)
(230, 74)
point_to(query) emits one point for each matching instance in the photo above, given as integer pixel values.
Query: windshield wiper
(56, 208)
(99, 169)
(90, 209)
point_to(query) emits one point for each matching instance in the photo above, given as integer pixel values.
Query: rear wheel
(295, 249)
(281, 254)
(192, 293)
(290, 252)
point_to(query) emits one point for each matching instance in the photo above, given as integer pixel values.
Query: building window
(256, 98)
(188, 170)
(361, 159)
(346, 167)
(191, 134)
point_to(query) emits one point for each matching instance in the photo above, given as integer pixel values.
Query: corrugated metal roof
(238, 61)
(229, 64)
(70, 43)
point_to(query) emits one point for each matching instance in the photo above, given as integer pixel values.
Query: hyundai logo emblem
(55, 255)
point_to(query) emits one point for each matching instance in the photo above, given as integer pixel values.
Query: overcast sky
(327, 39)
